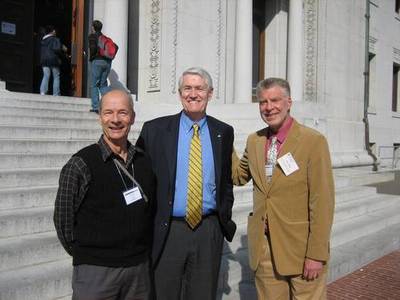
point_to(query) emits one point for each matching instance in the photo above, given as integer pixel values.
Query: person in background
(50, 51)
(100, 66)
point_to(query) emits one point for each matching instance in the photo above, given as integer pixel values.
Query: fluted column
(115, 25)
(296, 49)
(243, 51)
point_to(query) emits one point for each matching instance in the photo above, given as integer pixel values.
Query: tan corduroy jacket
(299, 207)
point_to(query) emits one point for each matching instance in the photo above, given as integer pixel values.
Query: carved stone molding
(154, 49)
(310, 49)
(396, 55)
(372, 44)
(219, 51)
(174, 46)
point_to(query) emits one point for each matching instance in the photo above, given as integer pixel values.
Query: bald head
(117, 94)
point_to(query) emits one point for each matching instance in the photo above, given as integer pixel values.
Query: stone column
(243, 51)
(296, 49)
(115, 25)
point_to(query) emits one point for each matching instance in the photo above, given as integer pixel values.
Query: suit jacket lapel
(260, 157)
(171, 145)
(216, 138)
(290, 145)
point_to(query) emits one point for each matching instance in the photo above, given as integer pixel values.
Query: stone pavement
(377, 280)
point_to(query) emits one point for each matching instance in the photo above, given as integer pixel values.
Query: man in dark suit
(191, 157)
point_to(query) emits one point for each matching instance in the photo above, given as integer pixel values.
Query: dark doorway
(16, 44)
(59, 14)
(22, 24)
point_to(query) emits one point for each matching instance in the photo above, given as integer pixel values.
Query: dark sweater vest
(107, 231)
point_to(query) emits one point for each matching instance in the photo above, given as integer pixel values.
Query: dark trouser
(100, 283)
(189, 264)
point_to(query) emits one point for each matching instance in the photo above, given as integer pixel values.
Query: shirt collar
(187, 123)
(283, 131)
(107, 153)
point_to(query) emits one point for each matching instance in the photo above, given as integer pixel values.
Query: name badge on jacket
(288, 164)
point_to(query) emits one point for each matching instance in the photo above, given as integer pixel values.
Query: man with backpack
(102, 52)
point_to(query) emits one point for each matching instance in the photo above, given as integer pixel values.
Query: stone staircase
(38, 135)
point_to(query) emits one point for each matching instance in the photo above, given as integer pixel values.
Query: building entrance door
(16, 44)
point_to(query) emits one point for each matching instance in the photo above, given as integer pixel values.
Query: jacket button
(165, 224)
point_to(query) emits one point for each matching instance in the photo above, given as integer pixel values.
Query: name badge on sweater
(132, 195)
(288, 164)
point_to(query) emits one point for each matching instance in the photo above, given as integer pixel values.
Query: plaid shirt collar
(107, 153)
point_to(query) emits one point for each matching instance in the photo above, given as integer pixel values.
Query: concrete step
(27, 197)
(353, 192)
(364, 225)
(44, 145)
(73, 122)
(30, 249)
(11, 96)
(38, 282)
(33, 160)
(46, 104)
(47, 112)
(351, 256)
(53, 132)
(29, 177)
(363, 205)
(237, 280)
(88, 120)
(26, 221)
(346, 177)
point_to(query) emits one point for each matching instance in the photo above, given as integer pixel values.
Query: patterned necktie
(273, 152)
(195, 181)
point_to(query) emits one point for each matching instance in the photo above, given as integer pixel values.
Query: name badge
(268, 169)
(132, 195)
(288, 164)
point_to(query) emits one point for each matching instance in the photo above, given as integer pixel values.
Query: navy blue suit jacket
(159, 138)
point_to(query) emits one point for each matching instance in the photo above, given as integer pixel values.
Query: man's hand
(312, 269)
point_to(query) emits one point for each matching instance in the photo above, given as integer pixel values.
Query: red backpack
(107, 48)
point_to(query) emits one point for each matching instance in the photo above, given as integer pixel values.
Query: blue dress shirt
(182, 166)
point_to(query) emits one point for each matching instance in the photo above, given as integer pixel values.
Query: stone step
(351, 256)
(30, 249)
(346, 177)
(72, 122)
(38, 282)
(29, 177)
(363, 205)
(26, 221)
(47, 112)
(44, 145)
(27, 197)
(33, 160)
(352, 192)
(46, 104)
(369, 223)
(12, 96)
(53, 132)
(237, 280)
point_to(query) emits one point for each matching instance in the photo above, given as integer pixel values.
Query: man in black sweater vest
(103, 210)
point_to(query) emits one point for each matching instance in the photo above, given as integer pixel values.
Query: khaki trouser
(272, 286)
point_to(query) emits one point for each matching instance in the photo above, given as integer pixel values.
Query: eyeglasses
(196, 89)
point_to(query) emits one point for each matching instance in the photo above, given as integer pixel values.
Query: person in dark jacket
(100, 66)
(50, 61)
(103, 210)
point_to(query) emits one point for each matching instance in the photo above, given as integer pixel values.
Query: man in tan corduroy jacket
(293, 200)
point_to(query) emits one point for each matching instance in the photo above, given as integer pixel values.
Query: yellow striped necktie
(195, 181)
